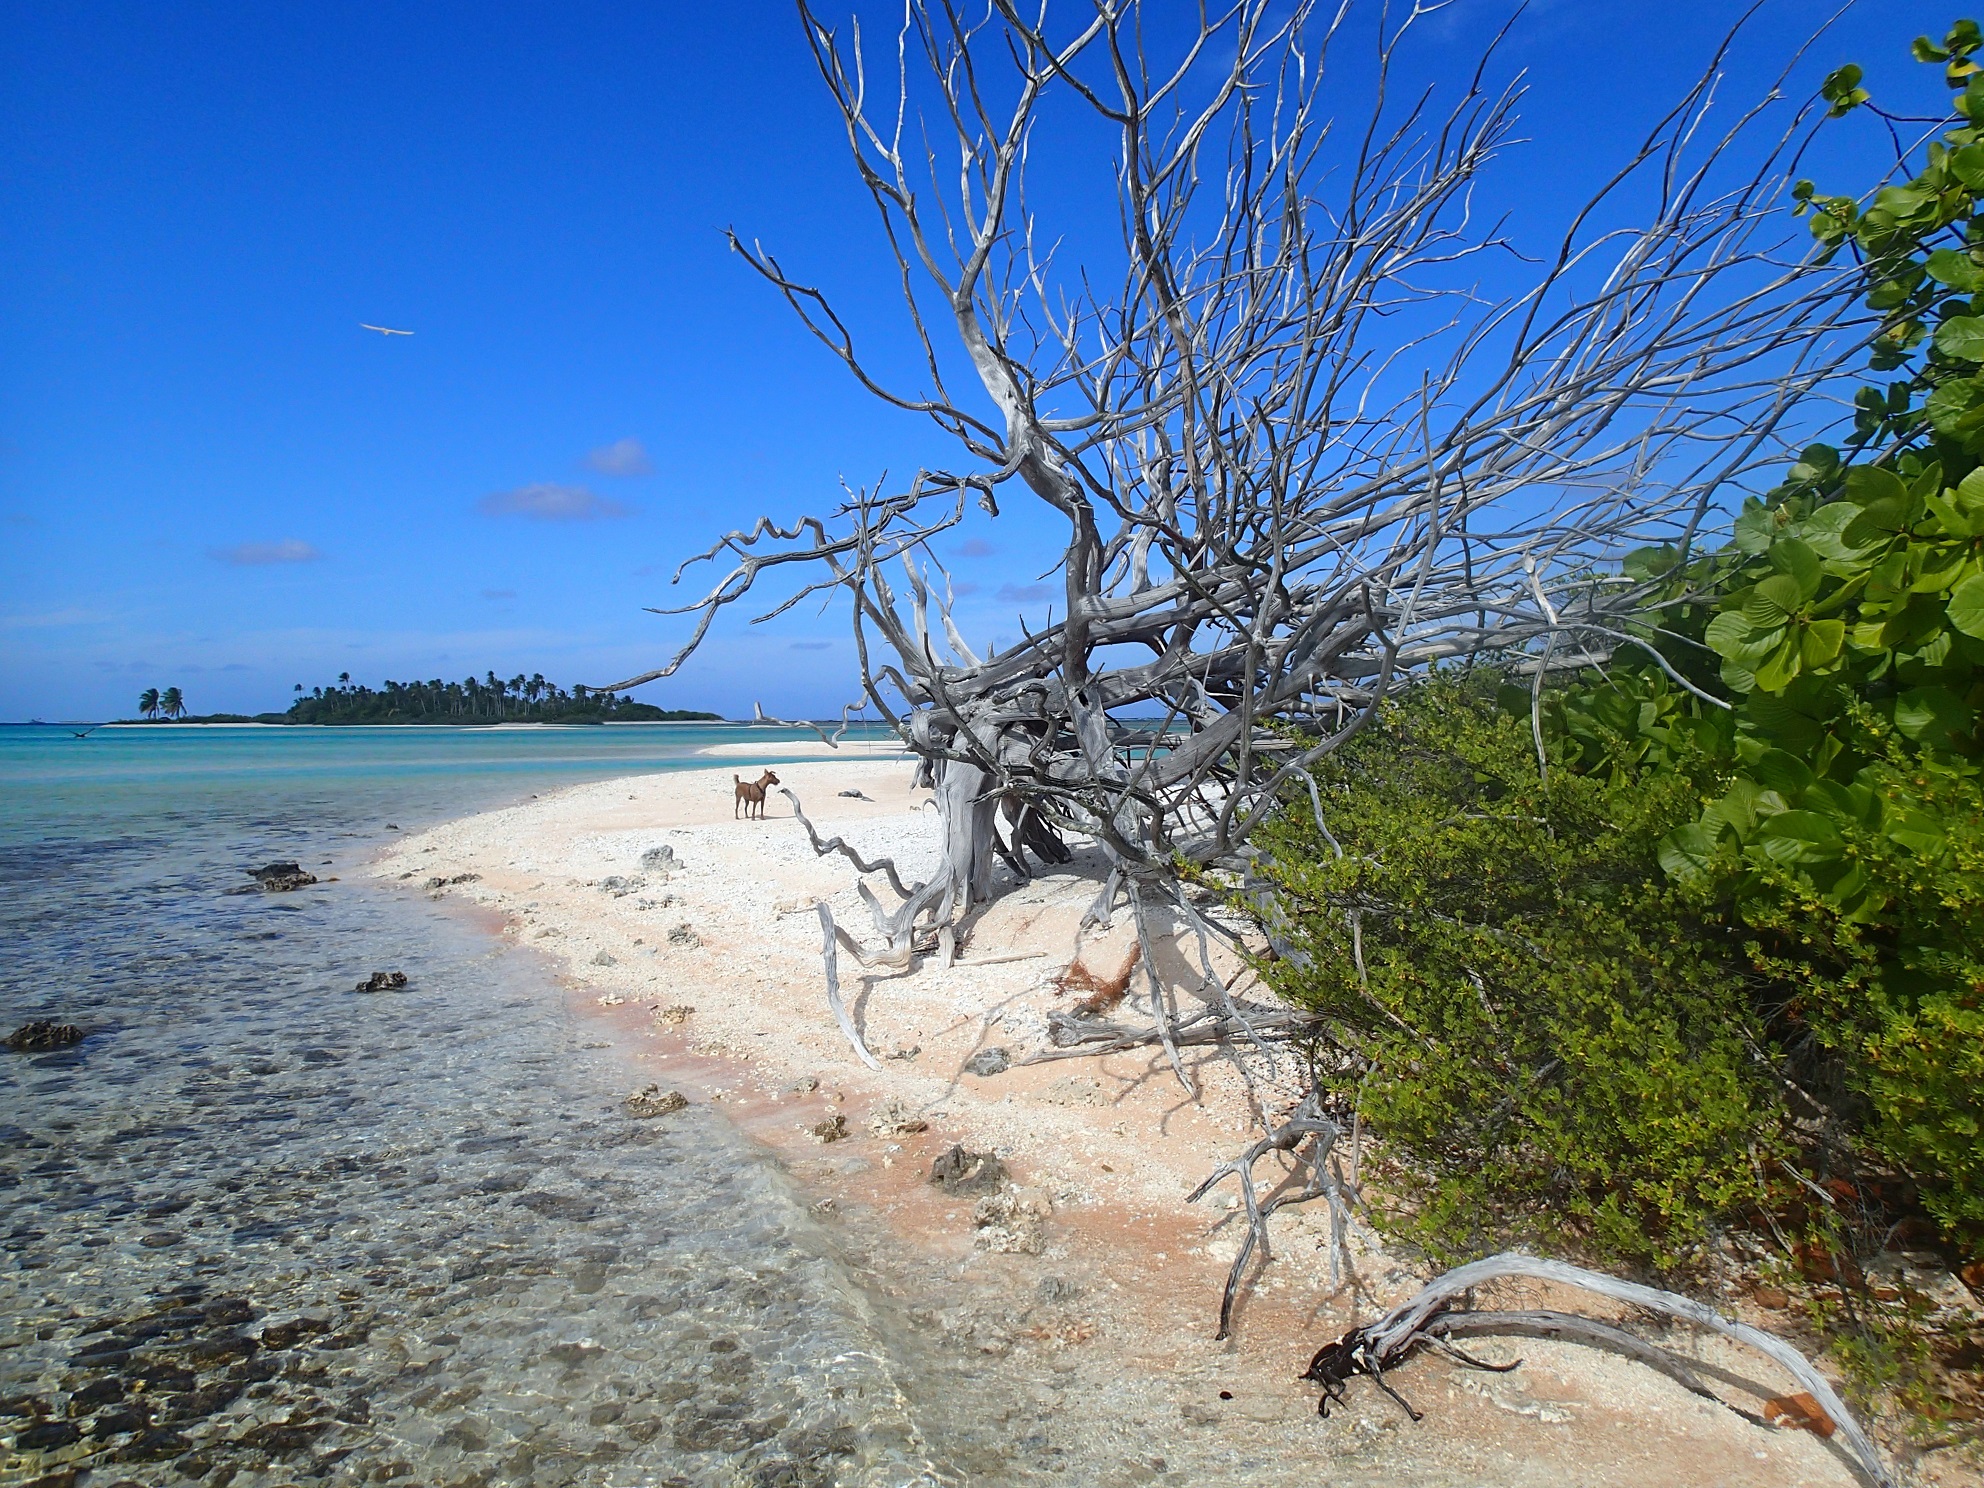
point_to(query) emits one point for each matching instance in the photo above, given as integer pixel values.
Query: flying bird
(383, 330)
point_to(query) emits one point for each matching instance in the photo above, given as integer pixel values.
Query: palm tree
(148, 702)
(171, 704)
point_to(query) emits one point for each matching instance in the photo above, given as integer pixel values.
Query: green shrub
(1544, 1034)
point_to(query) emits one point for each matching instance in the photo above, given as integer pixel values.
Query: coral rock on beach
(962, 1172)
(654, 1101)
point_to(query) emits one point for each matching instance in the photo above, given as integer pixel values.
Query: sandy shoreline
(1088, 1278)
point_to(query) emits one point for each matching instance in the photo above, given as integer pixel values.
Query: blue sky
(211, 477)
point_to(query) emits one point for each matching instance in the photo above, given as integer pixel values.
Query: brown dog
(751, 793)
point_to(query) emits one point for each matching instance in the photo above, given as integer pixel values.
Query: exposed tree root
(1308, 1125)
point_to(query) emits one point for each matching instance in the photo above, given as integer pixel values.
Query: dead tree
(1309, 425)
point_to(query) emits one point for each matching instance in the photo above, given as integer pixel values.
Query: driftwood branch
(1381, 1346)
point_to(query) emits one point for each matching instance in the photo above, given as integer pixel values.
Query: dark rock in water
(280, 1437)
(286, 1335)
(95, 1393)
(44, 1033)
(228, 1311)
(961, 1172)
(382, 981)
(212, 1351)
(276, 878)
(160, 1239)
(559, 1206)
(46, 1436)
(116, 1422)
(993, 1061)
(154, 1446)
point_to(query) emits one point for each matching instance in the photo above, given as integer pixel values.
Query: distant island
(485, 700)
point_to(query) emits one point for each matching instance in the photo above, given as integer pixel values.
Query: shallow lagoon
(263, 1229)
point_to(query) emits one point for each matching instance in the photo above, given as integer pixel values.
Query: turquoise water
(51, 781)
(260, 1229)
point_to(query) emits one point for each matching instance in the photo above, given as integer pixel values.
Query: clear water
(261, 1229)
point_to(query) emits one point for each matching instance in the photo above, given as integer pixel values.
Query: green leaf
(1823, 531)
(1686, 852)
(1800, 837)
(1780, 667)
(1967, 165)
(1953, 406)
(1782, 772)
(1868, 484)
(1775, 599)
(1961, 338)
(1953, 267)
(1966, 606)
(1931, 715)
(1799, 562)
(1822, 642)
(1732, 637)
(1917, 831)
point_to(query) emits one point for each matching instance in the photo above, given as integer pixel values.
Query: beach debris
(1103, 992)
(804, 1085)
(275, 878)
(620, 887)
(988, 1062)
(603, 958)
(659, 860)
(44, 1033)
(962, 1172)
(654, 1101)
(855, 795)
(803, 904)
(831, 1129)
(684, 935)
(894, 1119)
(681, 1012)
(611, 999)
(1012, 1221)
(901, 1053)
(382, 981)
(662, 903)
(1799, 1412)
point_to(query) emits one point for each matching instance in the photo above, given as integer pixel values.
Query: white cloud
(545, 502)
(289, 550)
(623, 457)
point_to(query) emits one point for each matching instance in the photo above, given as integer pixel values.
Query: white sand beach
(1088, 1275)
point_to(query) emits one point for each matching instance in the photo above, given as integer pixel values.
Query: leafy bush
(1547, 1035)
(1844, 623)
